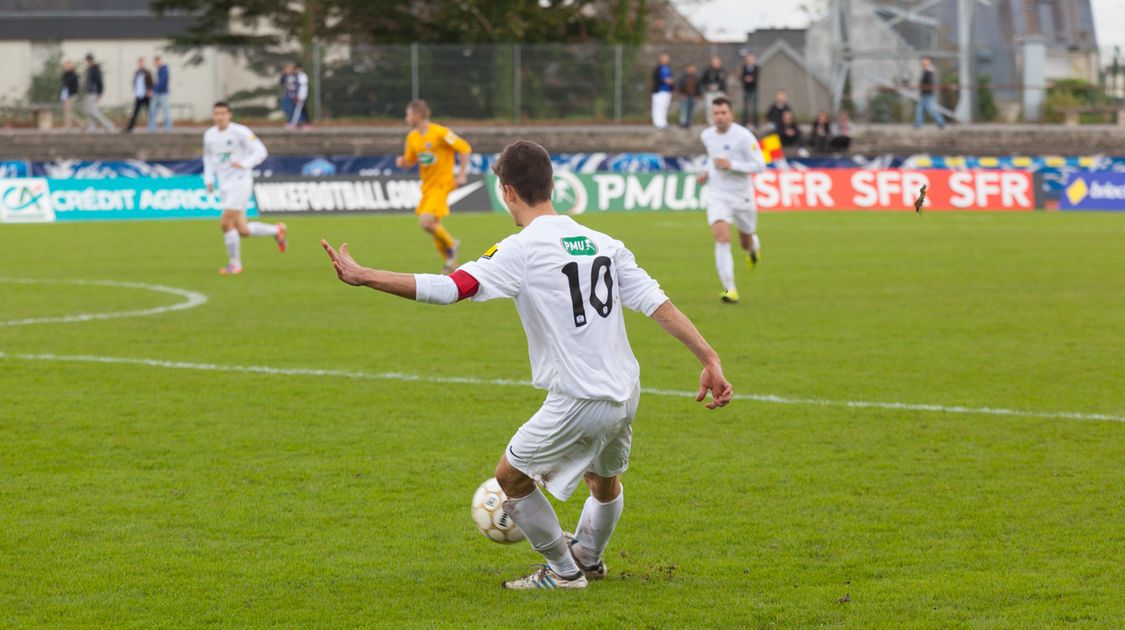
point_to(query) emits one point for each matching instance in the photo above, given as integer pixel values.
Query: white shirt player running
(221, 150)
(739, 146)
(570, 283)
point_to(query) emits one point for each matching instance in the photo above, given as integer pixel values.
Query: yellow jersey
(434, 152)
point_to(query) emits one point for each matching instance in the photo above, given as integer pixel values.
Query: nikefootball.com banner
(382, 194)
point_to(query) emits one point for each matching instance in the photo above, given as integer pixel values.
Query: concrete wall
(867, 139)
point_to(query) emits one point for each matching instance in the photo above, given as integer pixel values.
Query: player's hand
(237, 165)
(723, 163)
(400, 162)
(347, 269)
(712, 379)
(462, 179)
(210, 188)
(701, 178)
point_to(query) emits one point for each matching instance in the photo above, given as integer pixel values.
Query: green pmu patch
(579, 246)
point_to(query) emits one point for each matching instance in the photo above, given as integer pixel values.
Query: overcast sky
(730, 20)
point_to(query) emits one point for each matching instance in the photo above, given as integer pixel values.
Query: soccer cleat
(753, 257)
(451, 258)
(730, 297)
(596, 572)
(230, 270)
(282, 243)
(546, 578)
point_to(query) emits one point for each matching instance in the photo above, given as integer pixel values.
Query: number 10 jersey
(569, 283)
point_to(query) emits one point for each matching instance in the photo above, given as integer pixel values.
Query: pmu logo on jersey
(579, 246)
(426, 158)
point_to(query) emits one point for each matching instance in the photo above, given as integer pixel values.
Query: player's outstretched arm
(711, 379)
(355, 274)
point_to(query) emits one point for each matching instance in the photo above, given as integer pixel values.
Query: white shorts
(236, 194)
(569, 437)
(741, 212)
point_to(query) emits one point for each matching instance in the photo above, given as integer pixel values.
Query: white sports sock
(595, 526)
(755, 243)
(538, 521)
(234, 246)
(724, 263)
(257, 228)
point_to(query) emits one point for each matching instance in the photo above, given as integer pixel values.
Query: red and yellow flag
(771, 148)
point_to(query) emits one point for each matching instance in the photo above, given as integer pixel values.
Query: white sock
(724, 263)
(595, 526)
(234, 246)
(258, 228)
(755, 244)
(538, 521)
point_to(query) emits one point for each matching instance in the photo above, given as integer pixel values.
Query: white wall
(194, 87)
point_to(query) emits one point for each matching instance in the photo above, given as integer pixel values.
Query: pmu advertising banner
(1094, 191)
(830, 189)
(44, 200)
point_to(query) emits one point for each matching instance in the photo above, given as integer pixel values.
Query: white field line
(191, 299)
(468, 380)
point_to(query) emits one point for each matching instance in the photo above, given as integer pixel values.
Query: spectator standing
(788, 131)
(842, 141)
(778, 109)
(160, 97)
(821, 133)
(750, 89)
(94, 88)
(661, 91)
(300, 116)
(688, 87)
(714, 84)
(288, 85)
(142, 92)
(926, 103)
(68, 94)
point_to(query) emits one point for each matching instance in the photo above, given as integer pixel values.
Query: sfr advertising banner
(776, 190)
(863, 189)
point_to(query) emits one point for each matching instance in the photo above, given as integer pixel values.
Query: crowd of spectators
(691, 86)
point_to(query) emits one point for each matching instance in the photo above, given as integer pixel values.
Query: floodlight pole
(965, 76)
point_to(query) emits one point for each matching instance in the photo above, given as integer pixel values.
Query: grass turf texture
(142, 496)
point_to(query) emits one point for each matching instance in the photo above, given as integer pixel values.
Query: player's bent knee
(514, 483)
(603, 489)
(427, 222)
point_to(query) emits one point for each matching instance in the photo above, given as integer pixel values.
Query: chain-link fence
(504, 83)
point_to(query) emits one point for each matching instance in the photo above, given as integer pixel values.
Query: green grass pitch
(144, 495)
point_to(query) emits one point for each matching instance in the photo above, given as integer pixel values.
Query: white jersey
(739, 146)
(569, 283)
(221, 149)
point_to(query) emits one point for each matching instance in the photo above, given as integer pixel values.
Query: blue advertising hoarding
(41, 199)
(1094, 191)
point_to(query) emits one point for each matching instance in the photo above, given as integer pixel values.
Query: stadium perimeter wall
(184, 143)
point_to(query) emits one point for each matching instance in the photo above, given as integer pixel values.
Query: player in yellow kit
(432, 147)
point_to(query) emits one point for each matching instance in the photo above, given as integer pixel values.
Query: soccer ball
(490, 517)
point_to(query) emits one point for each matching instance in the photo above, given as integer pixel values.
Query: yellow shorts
(435, 201)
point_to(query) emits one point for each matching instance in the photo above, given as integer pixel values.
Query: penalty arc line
(192, 299)
(465, 380)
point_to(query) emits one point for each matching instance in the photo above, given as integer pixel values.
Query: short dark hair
(526, 166)
(420, 107)
(225, 105)
(722, 100)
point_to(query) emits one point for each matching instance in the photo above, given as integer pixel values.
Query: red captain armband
(467, 286)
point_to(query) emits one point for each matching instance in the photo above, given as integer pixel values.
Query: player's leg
(747, 221)
(230, 222)
(603, 507)
(719, 217)
(431, 210)
(530, 509)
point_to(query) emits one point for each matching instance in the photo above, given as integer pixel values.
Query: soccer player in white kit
(569, 284)
(733, 155)
(230, 153)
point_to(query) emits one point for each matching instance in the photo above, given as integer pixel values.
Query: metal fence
(507, 82)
